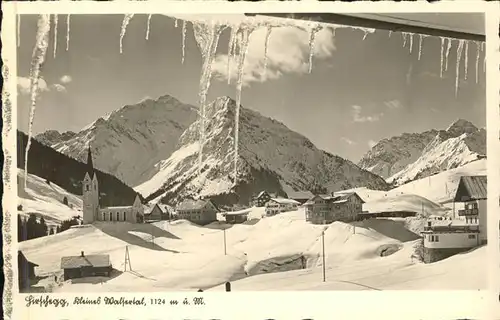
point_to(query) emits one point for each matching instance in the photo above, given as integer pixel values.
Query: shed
(86, 266)
(26, 270)
(237, 216)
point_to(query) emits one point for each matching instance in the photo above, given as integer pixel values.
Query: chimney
(82, 254)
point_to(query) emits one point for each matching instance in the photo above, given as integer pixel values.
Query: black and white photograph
(251, 152)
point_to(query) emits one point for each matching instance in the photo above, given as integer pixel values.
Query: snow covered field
(372, 254)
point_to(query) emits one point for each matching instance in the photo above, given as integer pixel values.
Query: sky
(361, 89)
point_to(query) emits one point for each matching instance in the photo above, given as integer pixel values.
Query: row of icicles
(207, 38)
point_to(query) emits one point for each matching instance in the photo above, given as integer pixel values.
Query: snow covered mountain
(271, 157)
(412, 156)
(128, 142)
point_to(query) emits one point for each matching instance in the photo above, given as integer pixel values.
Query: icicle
(176, 23)
(405, 36)
(230, 52)
(459, 56)
(478, 53)
(442, 56)
(148, 27)
(484, 60)
(447, 54)
(266, 45)
(183, 40)
(466, 59)
(18, 30)
(67, 31)
(390, 33)
(207, 38)
(126, 20)
(421, 39)
(38, 58)
(312, 38)
(56, 20)
(365, 35)
(243, 47)
(411, 42)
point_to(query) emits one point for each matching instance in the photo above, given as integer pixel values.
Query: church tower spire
(90, 165)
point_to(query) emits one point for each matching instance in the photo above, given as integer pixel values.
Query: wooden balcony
(468, 212)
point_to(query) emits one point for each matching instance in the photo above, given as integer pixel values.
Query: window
(104, 216)
(124, 216)
(87, 187)
(111, 216)
(436, 238)
(472, 236)
(118, 216)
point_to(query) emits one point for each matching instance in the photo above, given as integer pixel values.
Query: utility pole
(225, 250)
(323, 243)
(152, 235)
(127, 259)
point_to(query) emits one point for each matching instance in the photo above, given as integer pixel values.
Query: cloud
(348, 141)
(372, 143)
(24, 85)
(393, 104)
(65, 79)
(287, 52)
(59, 87)
(356, 113)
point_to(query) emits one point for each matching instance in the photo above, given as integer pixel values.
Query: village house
(197, 211)
(86, 266)
(157, 212)
(278, 205)
(324, 209)
(261, 199)
(443, 239)
(300, 196)
(92, 211)
(26, 271)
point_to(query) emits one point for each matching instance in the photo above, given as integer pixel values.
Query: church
(92, 210)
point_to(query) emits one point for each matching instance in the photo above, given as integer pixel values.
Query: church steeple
(90, 165)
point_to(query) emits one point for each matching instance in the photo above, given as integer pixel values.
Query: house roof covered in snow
(95, 260)
(472, 188)
(340, 198)
(243, 212)
(190, 204)
(284, 201)
(300, 195)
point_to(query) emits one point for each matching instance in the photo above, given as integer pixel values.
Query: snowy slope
(413, 156)
(441, 187)
(187, 257)
(45, 199)
(129, 141)
(270, 156)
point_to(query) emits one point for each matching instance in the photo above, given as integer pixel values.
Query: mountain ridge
(407, 156)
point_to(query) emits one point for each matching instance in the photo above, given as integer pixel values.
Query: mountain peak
(461, 126)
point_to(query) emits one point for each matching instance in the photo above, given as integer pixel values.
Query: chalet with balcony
(324, 209)
(472, 193)
(467, 230)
